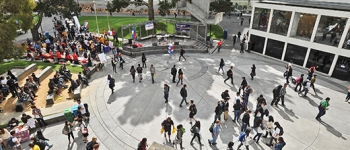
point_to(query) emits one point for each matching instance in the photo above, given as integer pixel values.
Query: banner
(182, 27)
(76, 21)
(171, 48)
(23, 135)
(86, 24)
(149, 26)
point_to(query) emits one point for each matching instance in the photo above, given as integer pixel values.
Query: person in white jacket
(306, 87)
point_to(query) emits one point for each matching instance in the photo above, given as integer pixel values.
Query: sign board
(102, 57)
(182, 27)
(23, 135)
(149, 25)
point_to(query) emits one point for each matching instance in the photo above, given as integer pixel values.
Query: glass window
(330, 30)
(303, 25)
(342, 68)
(322, 60)
(257, 43)
(261, 19)
(280, 22)
(346, 44)
(274, 48)
(296, 54)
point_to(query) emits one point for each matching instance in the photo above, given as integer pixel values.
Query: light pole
(98, 29)
(107, 14)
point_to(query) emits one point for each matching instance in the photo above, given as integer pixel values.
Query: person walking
(282, 92)
(288, 73)
(260, 130)
(121, 62)
(132, 72)
(229, 75)
(166, 92)
(277, 132)
(244, 139)
(246, 92)
(181, 76)
(234, 39)
(230, 146)
(322, 108)
(139, 72)
(243, 85)
(179, 133)
(166, 125)
(153, 72)
(143, 59)
(242, 19)
(312, 81)
(84, 130)
(143, 144)
(306, 85)
(219, 46)
(236, 109)
(252, 74)
(68, 130)
(183, 93)
(182, 52)
(39, 135)
(242, 46)
(225, 95)
(221, 66)
(218, 111)
(245, 120)
(38, 116)
(226, 109)
(92, 144)
(348, 96)
(280, 143)
(258, 115)
(215, 133)
(111, 83)
(173, 73)
(239, 36)
(269, 127)
(193, 111)
(196, 132)
(114, 65)
(276, 93)
(299, 82)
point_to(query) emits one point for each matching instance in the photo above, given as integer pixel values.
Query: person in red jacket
(75, 58)
(219, 46)
(143, 144)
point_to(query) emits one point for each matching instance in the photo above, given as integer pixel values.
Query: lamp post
(98, 29)
(107, 14)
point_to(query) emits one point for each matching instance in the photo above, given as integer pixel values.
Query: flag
(86, 24)
(133, 33)
(171, 48)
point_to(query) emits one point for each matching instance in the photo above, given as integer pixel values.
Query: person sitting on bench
(73, 86)
(36, 79)
(83, 79)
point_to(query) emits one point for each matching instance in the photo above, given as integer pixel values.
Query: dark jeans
(241, 144)
(244, 127)
(348, 96)
(274, 100)
(321, 112)
(229, 77)
(166, 96)
(183, 100)
(258, 135)
(219, 47)
(182, 57)
(298, 84)
(40, 121)
(144, 64)
(174, 76)
(69, 135)
(13, 91)
(287, 78)
(152, 75)
(133, 77)
(179, 81)
(196, 135)
(280, 98)
(217, 117)
(313, 87)
(115, 68)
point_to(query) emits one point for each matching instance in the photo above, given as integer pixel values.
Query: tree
(165, 6)
(14, 15)
(67, 8)
(149, 4)
(117, 5)
(221, 6)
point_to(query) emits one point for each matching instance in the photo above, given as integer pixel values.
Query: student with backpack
(143, 144)
(245, 120)
(229, 74)
(196, 130)
(182, 52)
(306, 85)
(215, 133)
(280, 143)
(193, 111)
(277, 132)
(183, 93)
(179, 133)
(173, 73)
(139, 72)
(218, 112)
(111, 83)
(243, 139)
(13, 142)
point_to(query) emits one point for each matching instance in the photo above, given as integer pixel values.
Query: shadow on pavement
(332, 130)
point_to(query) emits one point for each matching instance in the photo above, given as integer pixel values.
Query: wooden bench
(77, 92)
(45, 73)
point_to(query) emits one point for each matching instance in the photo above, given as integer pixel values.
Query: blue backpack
(10, 142)
(241, 137)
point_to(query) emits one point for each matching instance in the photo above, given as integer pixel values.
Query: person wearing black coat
(173, 73)
(183, 93)
(245, 120)
(243, 84)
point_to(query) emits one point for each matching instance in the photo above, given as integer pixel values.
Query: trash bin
(68, 114)
(225, 33)
(75, 110)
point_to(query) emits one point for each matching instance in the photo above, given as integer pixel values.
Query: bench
(19, 107)
(50, 98)
(146, 37)
(45, 73)
(182, 36)
(27, 71)
(77, 92)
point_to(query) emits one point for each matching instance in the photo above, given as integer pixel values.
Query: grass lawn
(117, 22)
(4, 67)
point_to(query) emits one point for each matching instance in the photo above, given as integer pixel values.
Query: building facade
(307, 35)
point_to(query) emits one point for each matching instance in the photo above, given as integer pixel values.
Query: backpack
(305, 83)
(89, 146)
(228, 72)
(139, 69)
(281, 131)
(241, 137)
(10, 142)
(193, 129)
(251, 90)
(139, 146)
(211, 128)
(112, 82)
(194, 109)
(223, 96)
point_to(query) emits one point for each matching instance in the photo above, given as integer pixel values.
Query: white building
(309, 32)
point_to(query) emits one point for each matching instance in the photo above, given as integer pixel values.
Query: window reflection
(280, 22)
(274, 48)
(330, 30)
(295, 53)
(342, 68)
(321, 60)
(346, 44)
(257, 43)
(261, 19)
(303, 25)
